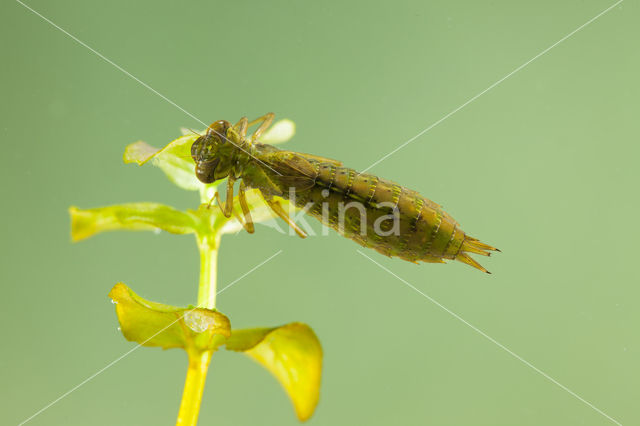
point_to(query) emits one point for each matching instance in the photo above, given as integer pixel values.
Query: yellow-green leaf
(292, 353)
(132, 217)
(139, 152)
(174, 160)
(154, 324)
(281, 131)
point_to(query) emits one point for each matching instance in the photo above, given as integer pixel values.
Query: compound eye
(195, 148)
(205, 172)
(219, 129)
(204, 147)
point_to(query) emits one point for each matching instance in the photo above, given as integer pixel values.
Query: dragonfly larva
(372, 211)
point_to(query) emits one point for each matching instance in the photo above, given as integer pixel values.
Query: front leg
(228, 205)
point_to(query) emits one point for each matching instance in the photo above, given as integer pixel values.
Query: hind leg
(279, 210)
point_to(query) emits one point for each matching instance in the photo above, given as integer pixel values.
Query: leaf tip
(139, 152)
(80, 224)
(117, 292)
(293, 354)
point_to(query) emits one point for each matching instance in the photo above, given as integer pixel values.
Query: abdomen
(387, 217)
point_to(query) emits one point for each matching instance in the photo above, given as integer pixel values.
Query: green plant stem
(207, 288)
(193, 388)
(199, 361)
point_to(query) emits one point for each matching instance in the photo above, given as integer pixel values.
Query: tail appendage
(475, 246)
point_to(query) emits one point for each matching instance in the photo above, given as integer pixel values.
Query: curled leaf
(292, 353)
(132, 217)
(154, 324)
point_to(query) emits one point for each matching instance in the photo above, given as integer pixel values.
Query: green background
(544, 166)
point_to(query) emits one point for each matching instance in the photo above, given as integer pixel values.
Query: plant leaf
(292, 353)
(174, 160)
(154, 324)
(139, 152)
(281, 131)
(132, 217)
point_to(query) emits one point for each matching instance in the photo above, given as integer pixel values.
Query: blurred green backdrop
(544, 166)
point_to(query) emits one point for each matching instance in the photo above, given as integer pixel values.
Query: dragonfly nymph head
(214, 151)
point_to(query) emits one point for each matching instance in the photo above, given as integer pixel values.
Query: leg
(228, 205)
(242, 126)
(277, 209)
(247, 223)
(235, 214)
(266, 119)
(216, 197)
